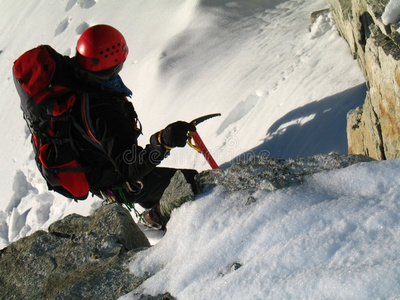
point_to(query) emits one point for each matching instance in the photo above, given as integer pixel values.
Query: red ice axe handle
(201, 148)
(198, 142)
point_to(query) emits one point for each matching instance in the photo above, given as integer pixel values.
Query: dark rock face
(79, 258)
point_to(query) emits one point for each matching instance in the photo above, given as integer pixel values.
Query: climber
(104, 130)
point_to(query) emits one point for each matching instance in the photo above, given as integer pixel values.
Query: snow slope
(336, 237)
(282, 91)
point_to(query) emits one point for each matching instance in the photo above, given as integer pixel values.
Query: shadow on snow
(318, 127)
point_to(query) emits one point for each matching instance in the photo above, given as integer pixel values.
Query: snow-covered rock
(80, 257)
(88, 256)
(266, 173)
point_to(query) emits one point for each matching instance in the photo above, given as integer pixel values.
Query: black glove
(175, 134)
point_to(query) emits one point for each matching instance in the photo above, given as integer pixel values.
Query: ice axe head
(195, 122)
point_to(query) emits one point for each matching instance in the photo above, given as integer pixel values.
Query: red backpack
(47, 109)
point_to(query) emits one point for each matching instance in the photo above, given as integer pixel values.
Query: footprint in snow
(81, 28)
(82, 4)
(62, 26)
(70, 4)
(86, 3)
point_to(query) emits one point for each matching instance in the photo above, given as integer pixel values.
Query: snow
(282, 91)
(332, 238)
(391, 14)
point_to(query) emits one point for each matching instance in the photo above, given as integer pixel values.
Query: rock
(314, 16)
(88, 257)
(354, 130)
(79, 258)
(108, 222)
(140, 296)
(235, 267)
(372, 130)
(265, 173)
(178, 192)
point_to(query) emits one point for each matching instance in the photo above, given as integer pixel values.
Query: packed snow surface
(391, 14)
(282, 90)
(335, 237)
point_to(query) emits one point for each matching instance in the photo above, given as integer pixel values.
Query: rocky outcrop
(266, 173)
(88, 257)
(178, 192)
(79, 258)
(374, 129)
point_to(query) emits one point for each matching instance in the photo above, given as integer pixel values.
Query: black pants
(154, 185)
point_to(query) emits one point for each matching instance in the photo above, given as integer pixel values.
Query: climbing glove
(175, 134)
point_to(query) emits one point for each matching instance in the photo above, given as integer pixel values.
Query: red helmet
(101, 47)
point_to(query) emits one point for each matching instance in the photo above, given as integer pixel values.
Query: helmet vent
(111, 51)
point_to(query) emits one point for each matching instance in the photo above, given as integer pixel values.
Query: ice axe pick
(198, 142)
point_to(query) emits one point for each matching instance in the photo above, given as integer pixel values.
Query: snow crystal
(334, 237)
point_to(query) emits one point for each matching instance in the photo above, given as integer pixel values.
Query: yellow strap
(189, 142)
(159, 141)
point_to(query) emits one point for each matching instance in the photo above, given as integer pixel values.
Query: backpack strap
(88, 131)
(89, 134)
(87, 121)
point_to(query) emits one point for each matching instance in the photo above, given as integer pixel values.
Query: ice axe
(198, 142)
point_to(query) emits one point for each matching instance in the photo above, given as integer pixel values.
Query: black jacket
(119, 157)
